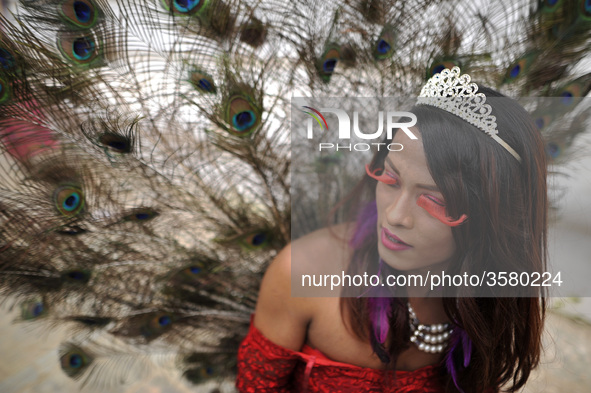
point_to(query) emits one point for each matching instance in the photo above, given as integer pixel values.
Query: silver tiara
(460, 97)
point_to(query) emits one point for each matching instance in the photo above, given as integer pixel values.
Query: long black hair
(506, 202)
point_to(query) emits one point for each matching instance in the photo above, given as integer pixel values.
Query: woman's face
(409, 237)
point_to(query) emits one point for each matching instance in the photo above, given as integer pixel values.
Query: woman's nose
(399, 211)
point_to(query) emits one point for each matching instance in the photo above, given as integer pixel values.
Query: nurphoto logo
(345, 125)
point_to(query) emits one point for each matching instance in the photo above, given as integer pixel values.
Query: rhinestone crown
(456, 94)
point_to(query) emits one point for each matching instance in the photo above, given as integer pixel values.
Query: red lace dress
(264, 366)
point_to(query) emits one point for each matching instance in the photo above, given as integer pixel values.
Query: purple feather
(379, 308)
(379, 313)
(467, 347)
(454, 343)
(379, 304)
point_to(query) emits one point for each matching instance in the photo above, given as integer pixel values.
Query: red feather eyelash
(438, 211)
(384, 178)
(432, 207)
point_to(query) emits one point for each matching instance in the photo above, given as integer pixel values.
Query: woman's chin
(402, 263)
(395, 261)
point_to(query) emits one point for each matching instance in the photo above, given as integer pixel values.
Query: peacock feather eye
(80, 50)
(554, 150)
(585, 10)
(157, 324)
(164, 321)
(194, 270)
(74, 361)
(116, 143)
(566, 98)
(4, 90)
(7, 64)
(201, 367)
(439, 65)
(194, 275)
(189, 274)
(68, 200)
(202, 82)
(242, 115)
(33, 309)
(255, 240)
(542, 121)
(83, 48)
(141, 215)
(251, 241)
(79, 13)
(570, 93)
(549, 6)
(201, 374)
(515, 70)
(183, 7)
(6, 59)
(253, 33)
(77, 276)
(207, 372)
(328, 61)
(519, 68)
(386, 44)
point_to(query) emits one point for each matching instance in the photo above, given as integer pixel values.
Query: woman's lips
(393, 242)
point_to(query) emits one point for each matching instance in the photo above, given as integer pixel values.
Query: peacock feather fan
(145, 151)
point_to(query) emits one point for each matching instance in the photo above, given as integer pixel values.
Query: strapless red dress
(265, 367)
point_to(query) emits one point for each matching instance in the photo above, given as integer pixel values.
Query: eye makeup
(434, 206)
(386, 177)
(437, 210)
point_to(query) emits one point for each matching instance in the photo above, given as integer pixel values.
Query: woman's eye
(385, 177)
(436, 208)
(433, 206)
(435, 200)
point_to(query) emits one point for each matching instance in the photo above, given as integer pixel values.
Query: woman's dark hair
(506, 202)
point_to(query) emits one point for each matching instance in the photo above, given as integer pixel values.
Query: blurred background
(29, 354)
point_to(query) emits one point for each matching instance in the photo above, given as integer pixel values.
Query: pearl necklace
(428, 338)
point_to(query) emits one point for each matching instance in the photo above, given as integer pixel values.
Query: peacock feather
(145, 169)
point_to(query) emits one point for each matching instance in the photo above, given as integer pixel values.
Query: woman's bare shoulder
(279, 316)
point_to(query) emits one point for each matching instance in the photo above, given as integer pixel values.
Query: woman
(459, 199)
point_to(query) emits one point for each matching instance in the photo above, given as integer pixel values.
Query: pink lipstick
(393, 242)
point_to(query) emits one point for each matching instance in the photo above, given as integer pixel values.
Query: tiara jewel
(454, 93)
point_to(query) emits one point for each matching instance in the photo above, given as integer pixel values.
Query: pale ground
(29, 360)
(567, 357)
